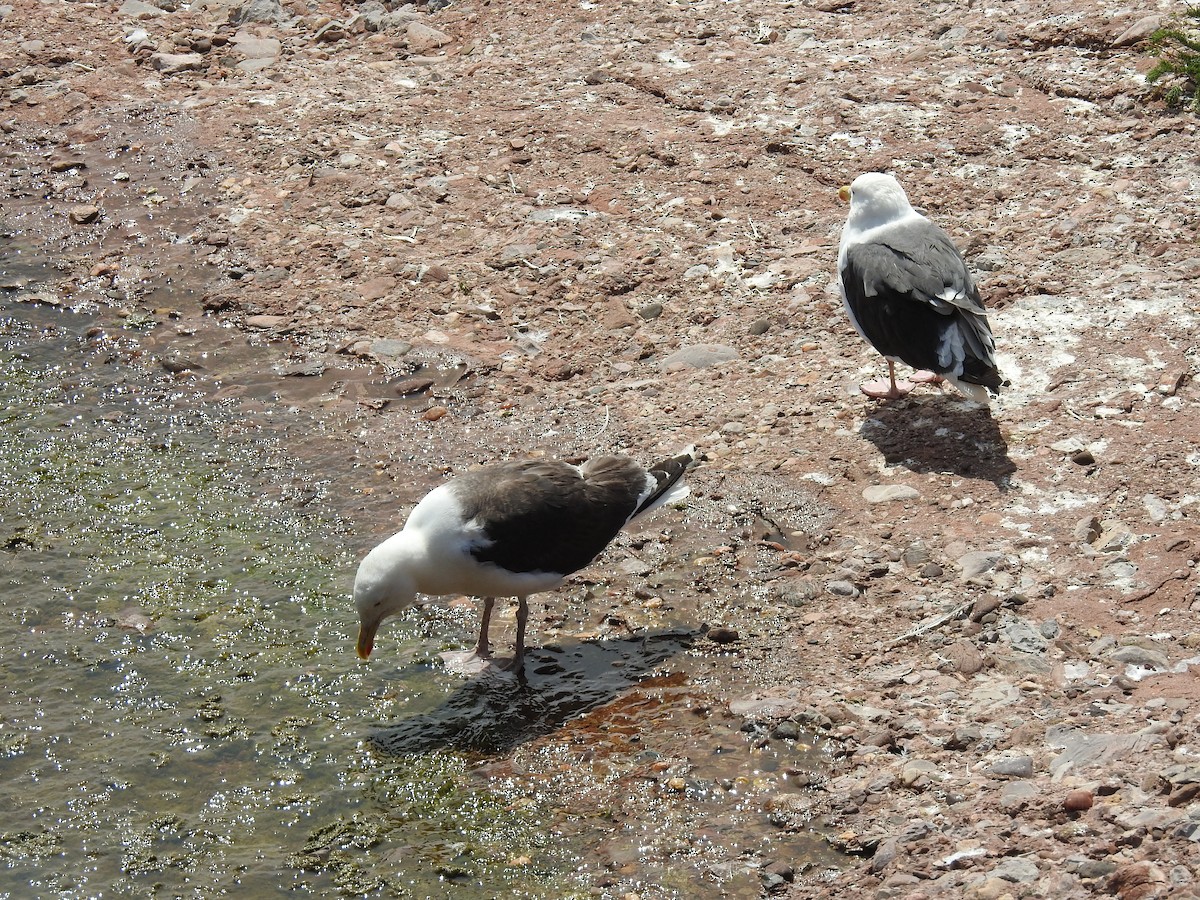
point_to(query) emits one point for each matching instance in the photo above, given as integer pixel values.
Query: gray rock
(264, 12)
(1134, 655)
(1016, 795)
(978, 561)
(390, 348)
(1081, 749)
(699, 356)
(651, 311)
(842, 589)
(1013, 767)
(136, 9)
(1018, 869)
(882, 493)
(1022, 635)
(253, 47)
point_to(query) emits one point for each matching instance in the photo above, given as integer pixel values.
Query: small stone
(84, 214)
(1016, 795)
(651, 311)
(434, 413)
(1086, 530)
(931, 570)
(1138, 31)
(1077, 800)
(760, 326)
(1083, 458)
(265, 321)
(882, 493)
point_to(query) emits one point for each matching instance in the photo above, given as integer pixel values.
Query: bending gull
(510, 529)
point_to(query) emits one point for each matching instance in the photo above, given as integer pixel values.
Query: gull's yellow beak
(366, 640)
(844, 193)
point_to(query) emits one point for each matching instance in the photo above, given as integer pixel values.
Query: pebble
(882, 493)
(265, 321)
(434, 413)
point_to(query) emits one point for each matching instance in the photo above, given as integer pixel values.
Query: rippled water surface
(182, 713)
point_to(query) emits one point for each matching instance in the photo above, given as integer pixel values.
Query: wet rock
(720, 634)
(699, 356)
(84, 214)
(407, 387)
(434, 413)
(883, 493)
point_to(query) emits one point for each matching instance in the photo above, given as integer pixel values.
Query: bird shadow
(940, 434)
(497, 710)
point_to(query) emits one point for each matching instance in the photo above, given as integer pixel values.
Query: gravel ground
(485, 228)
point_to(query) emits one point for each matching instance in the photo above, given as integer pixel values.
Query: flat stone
(1017, 869)
(1081, 750)
(1016, 795)
(377, 288)
(421, 38)
(390, 348)
(1133, 655)
(265, 321)
(978, 561)
(699, 356)
(253, 47)
(136, 9)
(842, 589)
(883, 493)
(1138, 31)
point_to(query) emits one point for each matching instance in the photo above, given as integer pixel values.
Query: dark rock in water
(407, 387)
(720, 634)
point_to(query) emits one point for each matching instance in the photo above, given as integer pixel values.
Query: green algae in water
(182, 711)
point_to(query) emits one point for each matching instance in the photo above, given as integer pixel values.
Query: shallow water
(183, 715)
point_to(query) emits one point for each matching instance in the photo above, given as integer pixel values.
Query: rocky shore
(566, 228)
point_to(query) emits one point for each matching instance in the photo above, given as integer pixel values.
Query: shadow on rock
(940, 434)
(497, 710)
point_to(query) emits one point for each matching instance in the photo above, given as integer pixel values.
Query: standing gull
(510, 529)
(908, 292)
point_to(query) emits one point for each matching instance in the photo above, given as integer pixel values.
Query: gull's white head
(384, 586)
(875, 197)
